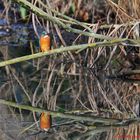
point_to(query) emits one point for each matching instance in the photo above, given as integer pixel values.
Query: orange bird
(45, 42)
(45, 121)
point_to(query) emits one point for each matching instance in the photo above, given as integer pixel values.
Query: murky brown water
(86, 83)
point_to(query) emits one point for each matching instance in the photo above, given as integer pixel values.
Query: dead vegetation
(72, 82)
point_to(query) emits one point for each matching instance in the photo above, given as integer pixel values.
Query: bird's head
(44, 33)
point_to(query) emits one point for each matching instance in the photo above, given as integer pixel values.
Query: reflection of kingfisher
(45, 42)
(45, 121)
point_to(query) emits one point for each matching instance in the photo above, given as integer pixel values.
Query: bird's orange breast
(45, 43)
(45, 121)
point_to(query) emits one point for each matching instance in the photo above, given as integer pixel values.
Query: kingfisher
(45, 42)
(45, 121)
